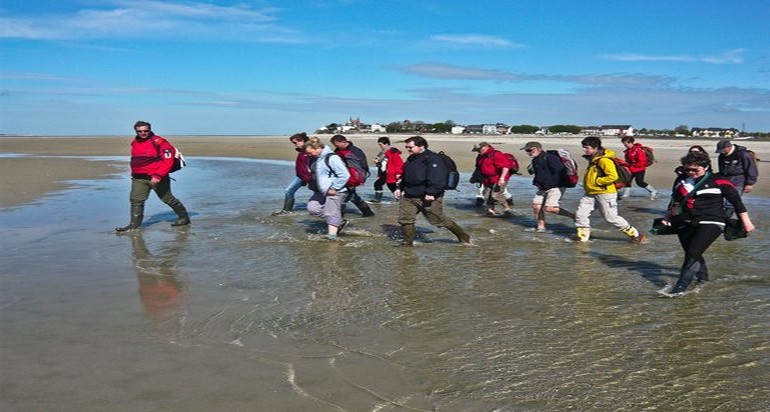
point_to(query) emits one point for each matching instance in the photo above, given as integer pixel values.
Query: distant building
(474, 129)
(714, 132)
(377, 128)
(458, 129)
(616, 130)
(489, 129)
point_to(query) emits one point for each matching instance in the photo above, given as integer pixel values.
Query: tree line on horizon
(418, 127)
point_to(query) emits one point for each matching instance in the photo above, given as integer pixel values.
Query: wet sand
(24, 179)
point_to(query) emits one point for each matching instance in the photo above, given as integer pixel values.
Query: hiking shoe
(342, 227)
(507, 213)
(330, 237)
(282, 213)
(639, 240)
(653, 195)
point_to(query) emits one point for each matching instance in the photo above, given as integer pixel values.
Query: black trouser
(380, 183)
(695, 239)
(639, 179)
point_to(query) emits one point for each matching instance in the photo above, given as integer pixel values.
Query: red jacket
(491, 165)
(395, 167)
(302, 166)
(636, 158)
(151, 157)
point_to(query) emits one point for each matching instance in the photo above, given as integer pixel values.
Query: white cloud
(452, 72)
(729, 57)
(476, 40)
(153, 19)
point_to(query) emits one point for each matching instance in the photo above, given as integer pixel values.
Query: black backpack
(453, 176)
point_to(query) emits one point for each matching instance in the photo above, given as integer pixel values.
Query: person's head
(724, 147)
(533, 149)
(339, 141)
(143, 129)
(383, 141)
(314, 146)
(696, 164)
(416, 144)
(627, 141)
(696, 149)
(299, 139)
(481, 147)
(591, 145)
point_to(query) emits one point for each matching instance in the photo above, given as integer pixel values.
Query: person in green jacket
(600, 192)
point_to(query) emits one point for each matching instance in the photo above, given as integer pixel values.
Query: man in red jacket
(151, 160)
(495, 167)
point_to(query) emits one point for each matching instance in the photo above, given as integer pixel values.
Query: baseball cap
(723, 144)
(531, 145)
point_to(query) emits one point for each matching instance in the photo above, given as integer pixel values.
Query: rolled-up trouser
(493, 198)
(327, 207)
(608, 207)
(409, 207)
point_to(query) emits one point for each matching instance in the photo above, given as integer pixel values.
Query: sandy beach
(55, 161)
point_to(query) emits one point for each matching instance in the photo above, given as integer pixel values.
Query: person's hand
(154, 181)
(397, 194)
(748, 226)
(331, 192)
(430, 198)
(747, 188)
(665, 222)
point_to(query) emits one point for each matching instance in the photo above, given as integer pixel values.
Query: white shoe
(653, 194)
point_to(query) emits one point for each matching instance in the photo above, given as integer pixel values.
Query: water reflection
(162, 292)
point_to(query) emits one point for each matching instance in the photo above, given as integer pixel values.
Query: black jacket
(706, 205)
(549, 171)
(424, 174)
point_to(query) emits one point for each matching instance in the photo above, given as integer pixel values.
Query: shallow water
(246, 311)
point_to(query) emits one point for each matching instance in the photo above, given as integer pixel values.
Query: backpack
(453, 176)
(571, 177)
(650, 155)
(351, 161)
(514, 169)
(179, 161)
(624, 173)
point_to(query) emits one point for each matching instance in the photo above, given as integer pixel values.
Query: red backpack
(514, 168)
(356, 170)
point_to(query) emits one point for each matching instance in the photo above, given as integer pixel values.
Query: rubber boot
(410, 232)
(459, 232)
(137, 215)
(636, 238)
(366, 211)
(288, 206)
(583, 234)
(689, 270)
(377, 196)
(181, 212)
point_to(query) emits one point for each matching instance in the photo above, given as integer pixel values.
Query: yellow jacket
(601, 174)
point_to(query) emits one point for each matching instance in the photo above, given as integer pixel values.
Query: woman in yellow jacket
(600, 191)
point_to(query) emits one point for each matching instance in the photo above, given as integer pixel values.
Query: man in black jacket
(550, 175)
(421, 190)
(737, 165)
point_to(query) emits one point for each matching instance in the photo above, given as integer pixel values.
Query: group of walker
(696, 212)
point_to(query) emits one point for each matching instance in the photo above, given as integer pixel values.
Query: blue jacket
(739, 167)
(334, 177)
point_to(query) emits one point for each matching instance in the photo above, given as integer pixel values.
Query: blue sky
(278, 67)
